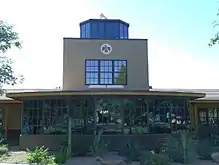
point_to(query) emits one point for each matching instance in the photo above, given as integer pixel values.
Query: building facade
(105, 87)
(87, 64)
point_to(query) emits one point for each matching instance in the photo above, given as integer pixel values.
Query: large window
(209, 116)
(106, 72)
(108, 115)
(45, 117)
(128, 115)
(50, 116)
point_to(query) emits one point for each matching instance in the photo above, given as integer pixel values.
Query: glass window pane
(94, 30)
(110, 30)
(121, 31)
(83, 32)
(101, 30)
(87, 35)
(88, 63)
(125, 31)
(117, 30)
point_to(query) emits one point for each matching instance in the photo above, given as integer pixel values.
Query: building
(105, 86)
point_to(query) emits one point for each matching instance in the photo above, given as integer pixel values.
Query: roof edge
(128, 39)
(103, 20)
(104, 92)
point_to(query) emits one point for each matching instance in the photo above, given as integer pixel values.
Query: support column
(6, 122)
(196, 117)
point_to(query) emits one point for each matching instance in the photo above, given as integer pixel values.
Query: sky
(178, 32)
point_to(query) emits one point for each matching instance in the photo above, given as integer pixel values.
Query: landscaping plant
(131, 151)
(61, 157)
(152, 158)
(177, 148)
(98, 147)
(81, 146)
(40, 156)
(204, 149)
(3, 147)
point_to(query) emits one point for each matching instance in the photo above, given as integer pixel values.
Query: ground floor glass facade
(115, 115)
(209, 116)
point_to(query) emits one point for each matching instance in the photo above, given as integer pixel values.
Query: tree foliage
(8, 39)
(215, 39)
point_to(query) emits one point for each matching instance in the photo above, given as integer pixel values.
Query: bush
(98, 147)
(40, 156)
(131, 151)
(174, 150)
(3, 149)
(177, 147)
(60, 158)
(204, 149)
(152, 158)
(80, 146)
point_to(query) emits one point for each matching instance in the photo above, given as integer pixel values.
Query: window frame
(99, 71)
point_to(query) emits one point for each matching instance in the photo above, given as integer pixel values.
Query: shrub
(131, 151)
(40, 156)
(3, 149)
(204, 149)
(80, 146)
(177, 148)
(60, 158)
(98, 147)
(152, 158)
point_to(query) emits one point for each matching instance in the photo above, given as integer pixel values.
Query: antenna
(102, 16)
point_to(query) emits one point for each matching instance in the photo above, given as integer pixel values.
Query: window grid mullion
(108, 75)
(113, 71)
(99, 67)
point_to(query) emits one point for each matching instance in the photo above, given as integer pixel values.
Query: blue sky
(178, 32)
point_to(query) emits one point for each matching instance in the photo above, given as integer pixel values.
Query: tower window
(106, 72)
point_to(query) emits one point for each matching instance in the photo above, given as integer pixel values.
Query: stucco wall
(77, 50)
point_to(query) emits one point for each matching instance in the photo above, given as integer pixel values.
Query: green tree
(121, 78)
(8, 39)
(215, 39)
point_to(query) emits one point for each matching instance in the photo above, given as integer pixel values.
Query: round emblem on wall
(106, 48)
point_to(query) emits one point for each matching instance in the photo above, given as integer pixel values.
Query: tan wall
(13, 112)
(77, 50)
(207, 105)
(12, 121)
(14, 116)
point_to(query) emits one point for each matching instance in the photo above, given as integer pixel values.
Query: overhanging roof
(4, 99)
(100, 91)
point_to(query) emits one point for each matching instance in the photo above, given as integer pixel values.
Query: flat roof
(211, 95)
(108, 39)
(99, 91)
